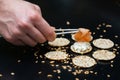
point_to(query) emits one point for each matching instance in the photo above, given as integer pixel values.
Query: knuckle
(9, 39)
(16, 33)
(22, 24)
(37, 7)
(34, 16)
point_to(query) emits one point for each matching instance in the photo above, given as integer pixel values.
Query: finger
(34, 33)
(53, 28)
(45, 28)
(17, 42)
(37, 8)
(12, 39)
(28, 40)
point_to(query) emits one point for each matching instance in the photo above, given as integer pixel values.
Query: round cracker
(103, 43)
(104, 55)
(84, 61)
(81, 47)
(56, 55)
(59, 42)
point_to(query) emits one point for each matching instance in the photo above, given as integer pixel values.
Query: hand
(21, 23)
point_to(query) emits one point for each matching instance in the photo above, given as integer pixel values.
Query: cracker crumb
(99, 25)
(40, 72)
(59, 77)
(36, 62)
(58, 71)
(49, 75)
(104, 31)
(86, 72)
(111, 65)
(98, 28)
(18, 61)
(96, 73)
(108, 75)
(103, 24)
(116, 36)
(64, 67)
(76, 78)
(12, 73)
(67, 22)
(42, 62)
(1, 75)
(108, 25)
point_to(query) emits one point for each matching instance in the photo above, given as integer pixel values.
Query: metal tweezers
(65, 31)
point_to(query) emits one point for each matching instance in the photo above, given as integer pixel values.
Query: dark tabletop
(26, 63)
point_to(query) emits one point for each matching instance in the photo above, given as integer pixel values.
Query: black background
(85, 13)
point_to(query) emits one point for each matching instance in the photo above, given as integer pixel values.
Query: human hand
(21, 23)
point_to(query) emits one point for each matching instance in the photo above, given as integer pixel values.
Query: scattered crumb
(99, 25)
(104, 31)
(58, 77)
(101, 36)
(40, 72)
(95, 73)
(67, 23)
(36, 61)
(108, 75)
(49, 75)
(93, 33)
(43, 62)
(108, 25)
(112, 61)
(18, 61)
(111, 65)
(116, 36)
(86, 72)
(76, 78)
(103, 24)
(98, 28)
(12, 73)
(1, 75)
